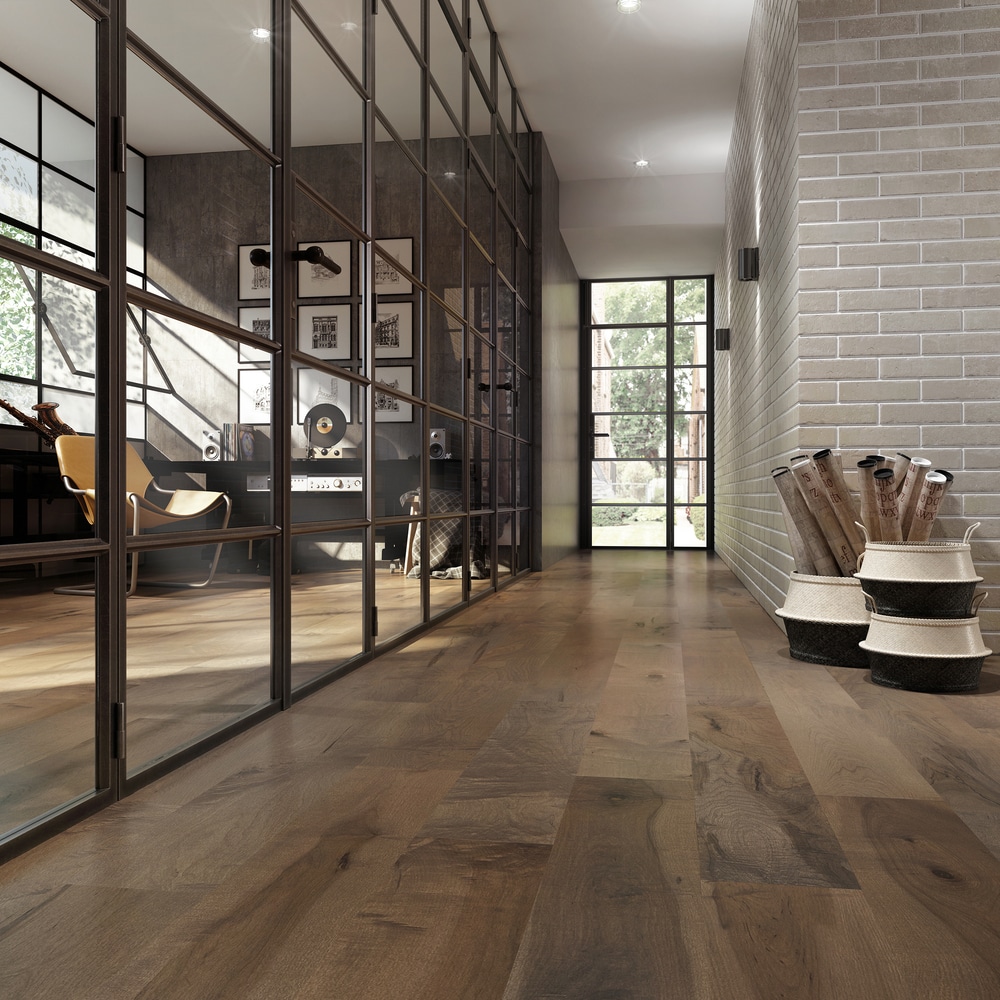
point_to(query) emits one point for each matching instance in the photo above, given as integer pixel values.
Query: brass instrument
(48, 432)
(47, 415)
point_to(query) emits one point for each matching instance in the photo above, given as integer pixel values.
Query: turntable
(325, 426)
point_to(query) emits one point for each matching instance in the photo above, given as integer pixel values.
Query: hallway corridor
(608, 781)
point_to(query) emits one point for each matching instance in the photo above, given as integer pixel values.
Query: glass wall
(265, 368)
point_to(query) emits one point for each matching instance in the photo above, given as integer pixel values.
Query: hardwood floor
(608, 781)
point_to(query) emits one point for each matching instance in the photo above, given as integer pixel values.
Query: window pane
(629, 302)
(341, 22)
(18, 186)
(690, 296)
(20, 112)
(398, 79)
(447, 335)
(17, 315)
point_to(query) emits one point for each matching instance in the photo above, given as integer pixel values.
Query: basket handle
(978, 599)
(871, 601)
(969, 531)
(864, 531)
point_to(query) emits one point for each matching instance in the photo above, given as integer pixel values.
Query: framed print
(316, 281)
(394, 330)
(325, 331)
(255, 395)
(256, 319)
(315, 388)
(388, 281)
(388, 408)
(254, 279)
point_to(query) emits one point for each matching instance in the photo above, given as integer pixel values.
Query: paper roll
(831, 473)
(818, 552)
(800, 551)
(869, 499)
(888, 506)
(919, 467)
(814, 493)
(932, 492)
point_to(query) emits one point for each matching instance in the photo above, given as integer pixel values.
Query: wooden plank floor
(608, 781)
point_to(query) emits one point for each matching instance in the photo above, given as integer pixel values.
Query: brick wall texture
(866, 166)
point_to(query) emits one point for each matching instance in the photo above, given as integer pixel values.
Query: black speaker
(748, 263)
(439, 443)
(211, 449)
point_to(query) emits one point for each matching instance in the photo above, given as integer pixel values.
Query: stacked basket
(924, 634)
(825, 620)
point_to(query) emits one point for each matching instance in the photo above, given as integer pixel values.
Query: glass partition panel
(506, 239)
(446, 156)
(505, 470)
(327, 129)
(48, 681)
(68, 333)
(408, 14)
(196, 660)
(505, 97)
(480, 382)
(445, 358)
(505, 319)
(398, 442)
(446, 542)
(506, 168)
(481, 126)
(398, 201)
(480, 470)
(480, 208)
(328, 625)
(342, 25)
(480, 553)
(480, 39)
(480, 297)
(506, 396)
(444, 264)
(522, 205)
(398, 79)
(523, 470)
(326, 439)
(237, 77)
(522, 267)
(523, 407)
(523, 335)
(208, 203)
(522, 559)
(505, 544)
(446, 60)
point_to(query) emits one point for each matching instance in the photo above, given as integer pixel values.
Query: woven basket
(825, 619)
(925, 673)
(908, 599)
(926, 562)
(925, 637)
(830, 643)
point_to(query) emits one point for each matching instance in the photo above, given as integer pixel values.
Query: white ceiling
(607, 89)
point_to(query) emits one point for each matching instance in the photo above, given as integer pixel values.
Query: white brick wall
(875, 323)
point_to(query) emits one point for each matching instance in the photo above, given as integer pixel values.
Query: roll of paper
(831, 473)
(888, 506)
(932, 492)
(815, 496)
(818, 551)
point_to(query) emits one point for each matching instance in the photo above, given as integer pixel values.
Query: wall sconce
(722, 338)
(749, 264)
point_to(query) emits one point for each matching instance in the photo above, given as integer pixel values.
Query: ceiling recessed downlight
(261, 34)
(642, 163)
(629, 6)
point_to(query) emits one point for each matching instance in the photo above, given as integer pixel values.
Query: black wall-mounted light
(749, 264)
(722, 338)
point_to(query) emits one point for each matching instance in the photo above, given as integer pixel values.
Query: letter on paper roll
(816, 498)
(932, 492)
(888, 506)
(831, 474)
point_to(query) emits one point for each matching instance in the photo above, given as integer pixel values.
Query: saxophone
(47, 415)
(46, 433)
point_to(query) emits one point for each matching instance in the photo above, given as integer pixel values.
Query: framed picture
(255, 395)
(315, 388)
(388, 281)
(256, 319)
(325, 331)
(389, 408)
(316, 281)
(394, 330)
(254, 279)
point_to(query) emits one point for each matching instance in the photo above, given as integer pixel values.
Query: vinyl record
(325, 425)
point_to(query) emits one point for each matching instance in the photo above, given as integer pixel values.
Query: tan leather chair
(75, 453)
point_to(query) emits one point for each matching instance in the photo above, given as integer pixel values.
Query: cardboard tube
(816, 499)
(879, 460)
(818, 551)
(919, 467)
(899, 469)
(800, 551)
(888, 506)
(932, 492)
(869, 499)
(831, 473)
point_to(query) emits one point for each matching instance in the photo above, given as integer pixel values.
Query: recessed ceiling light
(629, 6)
(349, 26)
(261, 34)
(642, 163)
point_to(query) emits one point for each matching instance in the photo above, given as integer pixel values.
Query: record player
(325, 426)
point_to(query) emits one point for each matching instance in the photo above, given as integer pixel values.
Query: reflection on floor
(196, 660)
(610, 780)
